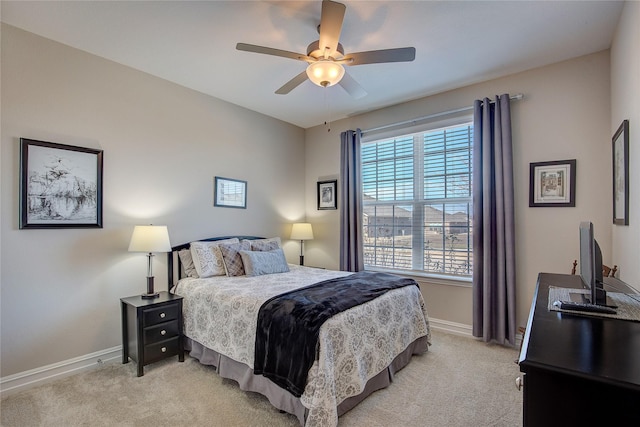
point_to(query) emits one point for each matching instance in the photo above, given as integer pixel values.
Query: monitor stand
(586, 299)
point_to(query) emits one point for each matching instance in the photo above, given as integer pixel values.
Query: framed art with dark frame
(552, 184)
(60, 185)
(230, 193)
(620, 150)
(328, 195)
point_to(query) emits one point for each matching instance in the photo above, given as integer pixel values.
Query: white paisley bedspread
(355, 345)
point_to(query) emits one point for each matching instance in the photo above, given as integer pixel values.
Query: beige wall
(565, 114)
(163, 144)
(625, 104)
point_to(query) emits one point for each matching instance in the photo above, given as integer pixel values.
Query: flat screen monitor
(591, 265)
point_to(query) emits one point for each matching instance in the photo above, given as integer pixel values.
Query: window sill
(437, 279)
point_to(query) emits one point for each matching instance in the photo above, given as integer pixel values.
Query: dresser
(151, 329)
(579, 370)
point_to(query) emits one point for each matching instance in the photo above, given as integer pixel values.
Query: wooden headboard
(173, 255)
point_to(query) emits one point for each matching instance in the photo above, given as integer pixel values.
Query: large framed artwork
(552, 184)
(60, 185)
(328, 195)
(230, 193)
(620, 149)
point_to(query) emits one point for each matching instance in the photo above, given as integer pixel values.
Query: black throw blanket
(289, 324)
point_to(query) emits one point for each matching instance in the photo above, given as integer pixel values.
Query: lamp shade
(150, 238)
(301, 231)
(325, 72)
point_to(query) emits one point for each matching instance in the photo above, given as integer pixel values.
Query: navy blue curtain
(494, 311)
(351, 234)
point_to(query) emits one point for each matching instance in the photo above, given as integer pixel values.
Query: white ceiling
(193, 44)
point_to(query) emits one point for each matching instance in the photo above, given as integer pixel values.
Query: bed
(229, 282)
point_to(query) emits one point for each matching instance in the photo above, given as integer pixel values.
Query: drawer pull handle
(163, 349)
(162, 315)
(163, 332)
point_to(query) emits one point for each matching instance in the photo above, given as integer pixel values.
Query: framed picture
(552, 184)
(60, 185)
(620, 148)
(328, 194)
(230, 193)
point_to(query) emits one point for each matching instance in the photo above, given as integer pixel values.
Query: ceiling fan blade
(331, 26)
(293, 83)
(352, 87)
(271, 51)
(401, 54)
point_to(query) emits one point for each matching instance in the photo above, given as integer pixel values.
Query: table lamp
(150, 239)
(301, 231)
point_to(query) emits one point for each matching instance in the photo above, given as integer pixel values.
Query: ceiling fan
(326, 56)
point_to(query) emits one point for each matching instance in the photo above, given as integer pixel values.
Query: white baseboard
(460, 329)
(451, 327)
(24, 380)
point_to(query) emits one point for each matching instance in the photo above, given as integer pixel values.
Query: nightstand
(151, 329)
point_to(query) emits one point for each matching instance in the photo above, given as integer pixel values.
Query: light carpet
(458, 382)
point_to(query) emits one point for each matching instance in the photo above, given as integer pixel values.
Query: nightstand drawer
(161, 350)
(165, 313)
(161, 332)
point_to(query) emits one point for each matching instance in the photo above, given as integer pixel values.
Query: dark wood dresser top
(599, 349)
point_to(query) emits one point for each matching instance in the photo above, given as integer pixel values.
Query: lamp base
(150, 292)
(150, 296)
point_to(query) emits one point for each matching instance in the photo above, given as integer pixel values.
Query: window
(417, 207)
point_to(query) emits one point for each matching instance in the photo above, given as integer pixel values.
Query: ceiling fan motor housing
(314, 51)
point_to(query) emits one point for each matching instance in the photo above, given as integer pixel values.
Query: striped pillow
(232, 258)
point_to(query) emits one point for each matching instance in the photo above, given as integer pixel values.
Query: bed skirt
(282, 399)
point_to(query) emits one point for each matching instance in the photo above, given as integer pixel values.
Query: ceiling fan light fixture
(325, 72)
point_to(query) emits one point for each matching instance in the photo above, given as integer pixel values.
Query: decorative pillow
(232, 258)
(187, 263)
(265, 244)
(257, 263)
(207, 258)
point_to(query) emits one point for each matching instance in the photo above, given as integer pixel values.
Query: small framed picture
(552, 184)
(620, 142)
(328, 194)
(60, 185)
(230, 193)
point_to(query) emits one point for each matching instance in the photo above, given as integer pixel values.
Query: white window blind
(417, 206)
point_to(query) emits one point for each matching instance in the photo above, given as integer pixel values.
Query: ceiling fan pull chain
(327, 123)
